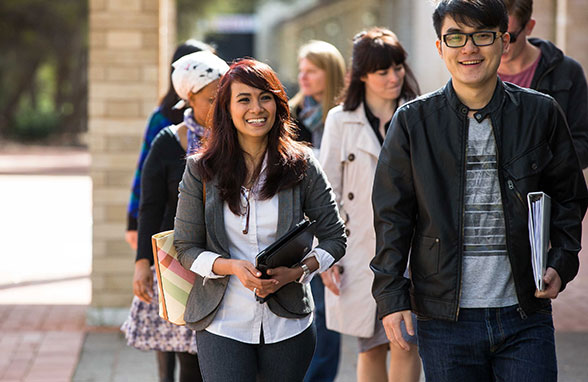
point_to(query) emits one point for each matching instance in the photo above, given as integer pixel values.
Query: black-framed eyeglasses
(515, 35)
(482, 38)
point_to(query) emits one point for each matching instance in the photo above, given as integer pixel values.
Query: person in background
(450, 192)
(272, 183)
(195, 79)
(321, 77)
(164, 115)
(538, 64)
(380, 81)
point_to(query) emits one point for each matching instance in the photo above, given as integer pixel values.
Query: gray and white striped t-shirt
(486, 273)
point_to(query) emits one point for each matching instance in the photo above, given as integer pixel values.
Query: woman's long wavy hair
(373, 50)
(223, 159)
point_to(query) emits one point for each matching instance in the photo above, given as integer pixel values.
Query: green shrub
(35, 125)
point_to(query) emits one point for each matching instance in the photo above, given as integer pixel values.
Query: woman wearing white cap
(195, 79)
(162, 116)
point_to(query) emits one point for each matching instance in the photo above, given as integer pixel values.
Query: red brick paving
(40, 342)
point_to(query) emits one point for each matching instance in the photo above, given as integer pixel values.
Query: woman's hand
(332, 279)
(285, 275)
(131, 238)
(246, 272)
(282, 276)
(143, 281)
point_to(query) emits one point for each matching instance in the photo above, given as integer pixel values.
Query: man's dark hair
(474, 13)
(521, 9)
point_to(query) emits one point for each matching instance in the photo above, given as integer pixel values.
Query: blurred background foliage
(43, 64)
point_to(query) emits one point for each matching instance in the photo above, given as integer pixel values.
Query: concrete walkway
(45, 290)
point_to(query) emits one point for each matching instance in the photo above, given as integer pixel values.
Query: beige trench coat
(349, 154)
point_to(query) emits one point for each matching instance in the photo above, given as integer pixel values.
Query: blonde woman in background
(321, 77)
(380, 81)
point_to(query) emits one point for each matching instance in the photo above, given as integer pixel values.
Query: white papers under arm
(539, 223)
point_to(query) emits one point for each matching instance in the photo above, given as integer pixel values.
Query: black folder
(286, 251)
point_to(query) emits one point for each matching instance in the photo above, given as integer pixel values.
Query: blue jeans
(489, 344)
(224, 359)
(324, 364)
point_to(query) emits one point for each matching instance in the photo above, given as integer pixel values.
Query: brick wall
(563, 22)
(129, 39)
(573, 30)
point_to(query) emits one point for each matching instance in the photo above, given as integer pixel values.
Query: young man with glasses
(538, 64)
(450, 190)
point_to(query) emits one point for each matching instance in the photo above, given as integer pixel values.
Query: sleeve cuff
(203, 265)
(132, 223)
(324, 259)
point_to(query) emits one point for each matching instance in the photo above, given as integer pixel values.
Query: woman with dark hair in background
(164, 115)
(259, 183)
(195, 79)
(380, 81)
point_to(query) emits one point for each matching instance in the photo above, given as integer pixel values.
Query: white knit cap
(194, 71)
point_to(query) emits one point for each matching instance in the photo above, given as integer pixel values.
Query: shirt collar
(495, 102)
(374, 121)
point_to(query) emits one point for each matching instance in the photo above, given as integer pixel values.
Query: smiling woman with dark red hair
(258, 183)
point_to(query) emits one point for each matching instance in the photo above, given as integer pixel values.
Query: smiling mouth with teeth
(472, 62)
(258, 120)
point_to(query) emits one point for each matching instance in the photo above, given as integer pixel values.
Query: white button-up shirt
(240, 316)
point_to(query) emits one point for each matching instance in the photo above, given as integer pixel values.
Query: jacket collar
(366, 138)
(495, 103)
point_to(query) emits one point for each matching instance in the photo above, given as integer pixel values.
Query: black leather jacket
(563, 78)
(418, 196)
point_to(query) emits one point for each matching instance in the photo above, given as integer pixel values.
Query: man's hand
(392, 326)
(332, 279)
(552, 284)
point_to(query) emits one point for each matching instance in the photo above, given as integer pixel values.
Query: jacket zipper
(464, 146)
(511, 186)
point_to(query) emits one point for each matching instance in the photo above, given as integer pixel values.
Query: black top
(375, 122)
(562, 78)
(162, 173)
(303, 134)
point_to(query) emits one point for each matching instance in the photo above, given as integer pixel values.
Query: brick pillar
(128, 65)
(572, 30)
(563, 23)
